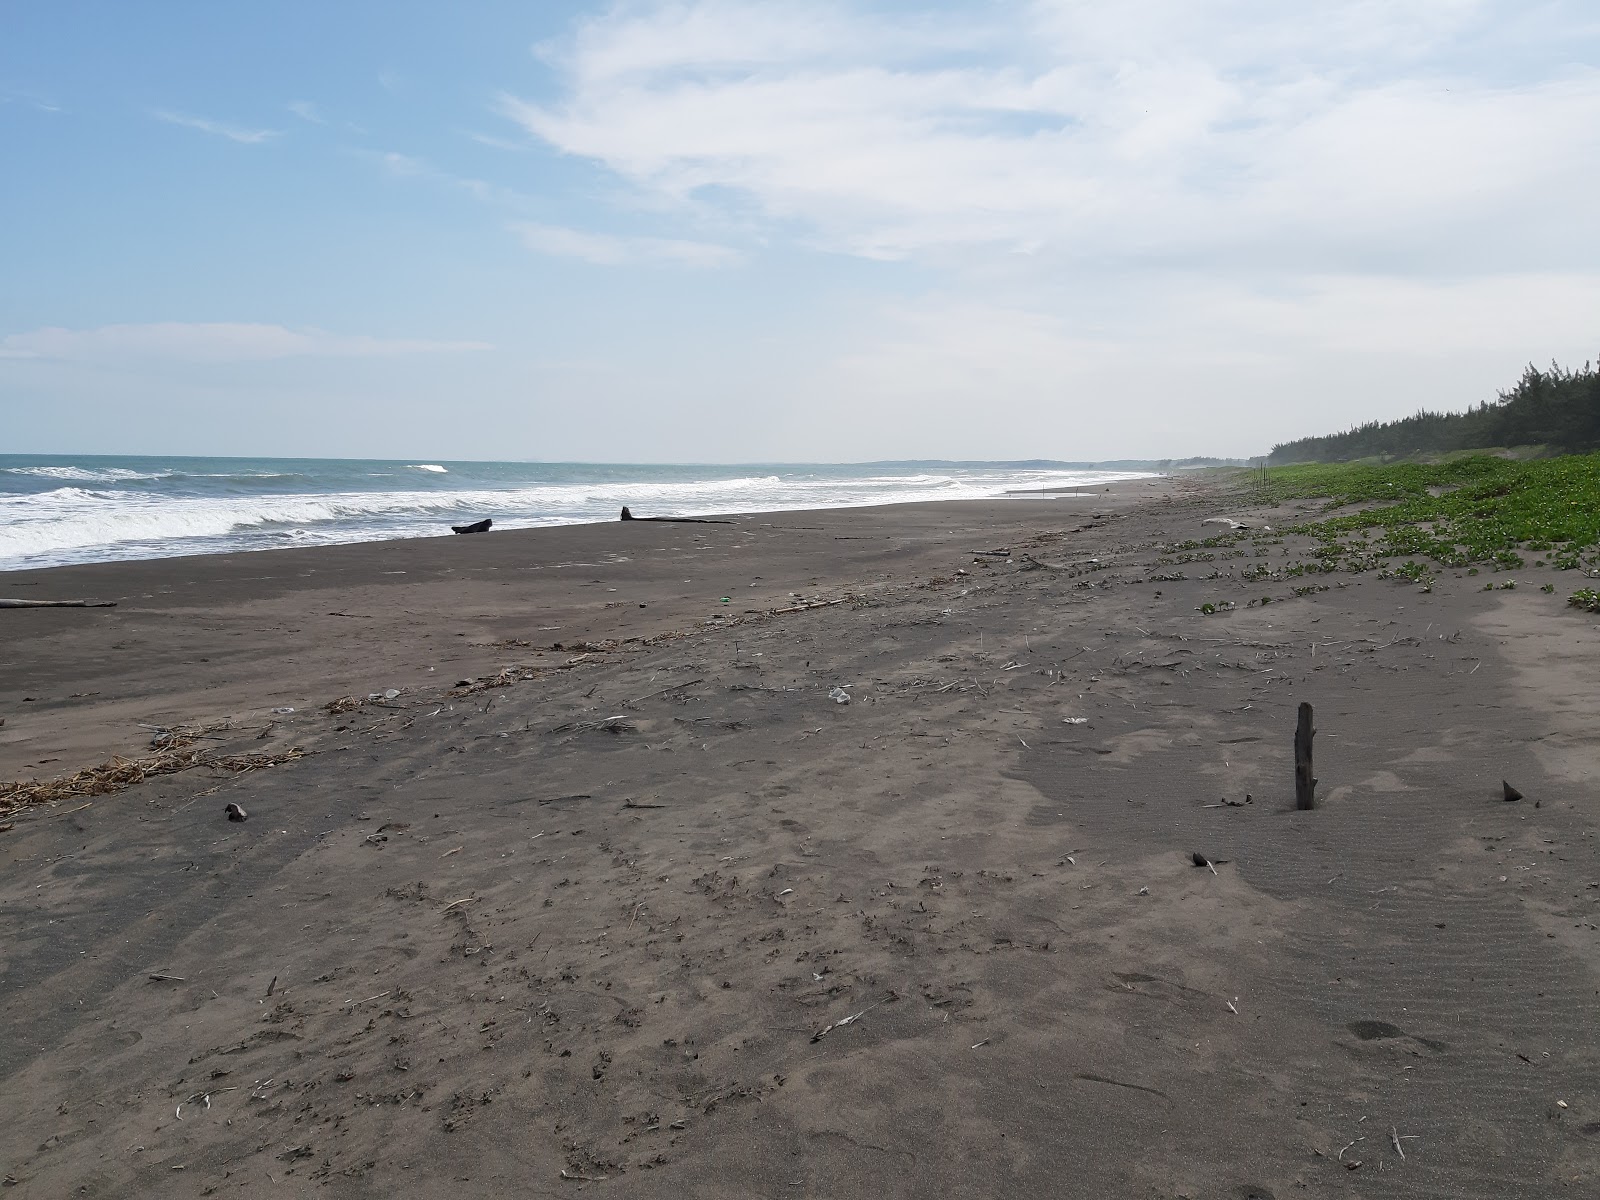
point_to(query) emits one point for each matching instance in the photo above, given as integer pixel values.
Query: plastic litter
(283, 711)
(1075, 720)
(839, 696)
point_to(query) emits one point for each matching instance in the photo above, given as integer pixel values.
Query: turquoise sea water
(58, 509)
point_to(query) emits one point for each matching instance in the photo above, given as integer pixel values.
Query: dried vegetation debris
(119, 773)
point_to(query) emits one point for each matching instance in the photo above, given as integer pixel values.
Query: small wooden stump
(1305, 786)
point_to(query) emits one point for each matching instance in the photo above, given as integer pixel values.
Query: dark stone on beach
(1510, 792)
(626, 515)
(476, 527)
(235, 812)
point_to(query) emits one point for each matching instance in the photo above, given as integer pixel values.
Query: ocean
(57, 509)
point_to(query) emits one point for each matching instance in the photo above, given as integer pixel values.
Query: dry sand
(659, 917)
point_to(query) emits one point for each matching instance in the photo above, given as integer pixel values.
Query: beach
(920, 849)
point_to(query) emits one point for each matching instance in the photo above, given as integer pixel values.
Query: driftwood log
(1305, 787)
(58, 603)
(628, 516)
(476, 527)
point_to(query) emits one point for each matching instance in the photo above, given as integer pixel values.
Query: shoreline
(203, 637)
(666, 917)
(137, 515)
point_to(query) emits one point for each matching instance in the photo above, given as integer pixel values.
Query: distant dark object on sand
(476, 527)
(628, 516)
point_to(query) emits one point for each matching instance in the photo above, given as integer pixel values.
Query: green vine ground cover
(1472, 510)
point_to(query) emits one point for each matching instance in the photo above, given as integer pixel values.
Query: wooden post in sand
(1305, 787)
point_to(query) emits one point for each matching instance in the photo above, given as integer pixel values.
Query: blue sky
(741, 230)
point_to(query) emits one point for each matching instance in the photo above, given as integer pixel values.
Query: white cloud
(213, 342)
(610, 251)
(218, 128)
(1162, 130)
(307, 111)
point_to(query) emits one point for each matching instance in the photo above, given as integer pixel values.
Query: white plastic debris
(1075, 720)
(839, 696)
(391, 693)
(283, 711)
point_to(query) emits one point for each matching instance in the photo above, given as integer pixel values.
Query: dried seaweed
(120, 773)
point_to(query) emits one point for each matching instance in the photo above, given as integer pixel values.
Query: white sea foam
(434, 467)
(86, 524)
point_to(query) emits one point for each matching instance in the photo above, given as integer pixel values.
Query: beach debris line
(476, 526)
(1305, 785)
(1509, 793)
(120, 773)
(57, 603)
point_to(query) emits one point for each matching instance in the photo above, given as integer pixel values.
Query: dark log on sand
(628, 516)
(476, 527)
(58, 603)
(1305, 787)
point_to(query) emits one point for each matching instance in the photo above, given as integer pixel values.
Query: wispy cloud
(1225, 131)
(608, 250)
(35, 101)
(233, 133)
(307, 111)
(408, 166)
(498, 143)
(216, 342)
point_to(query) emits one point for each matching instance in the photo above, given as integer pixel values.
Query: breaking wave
(65, 512)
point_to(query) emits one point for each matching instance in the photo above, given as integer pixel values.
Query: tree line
(1558, 409)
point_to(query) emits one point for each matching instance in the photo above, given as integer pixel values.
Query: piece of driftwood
(476, 527)
(628, 516)
(1305, 786)
(58, 603)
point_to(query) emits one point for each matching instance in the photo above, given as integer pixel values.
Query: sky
(742, 230)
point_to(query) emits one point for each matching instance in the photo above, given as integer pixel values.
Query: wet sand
(658, 916)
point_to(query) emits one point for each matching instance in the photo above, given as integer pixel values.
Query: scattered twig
(669, 688)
